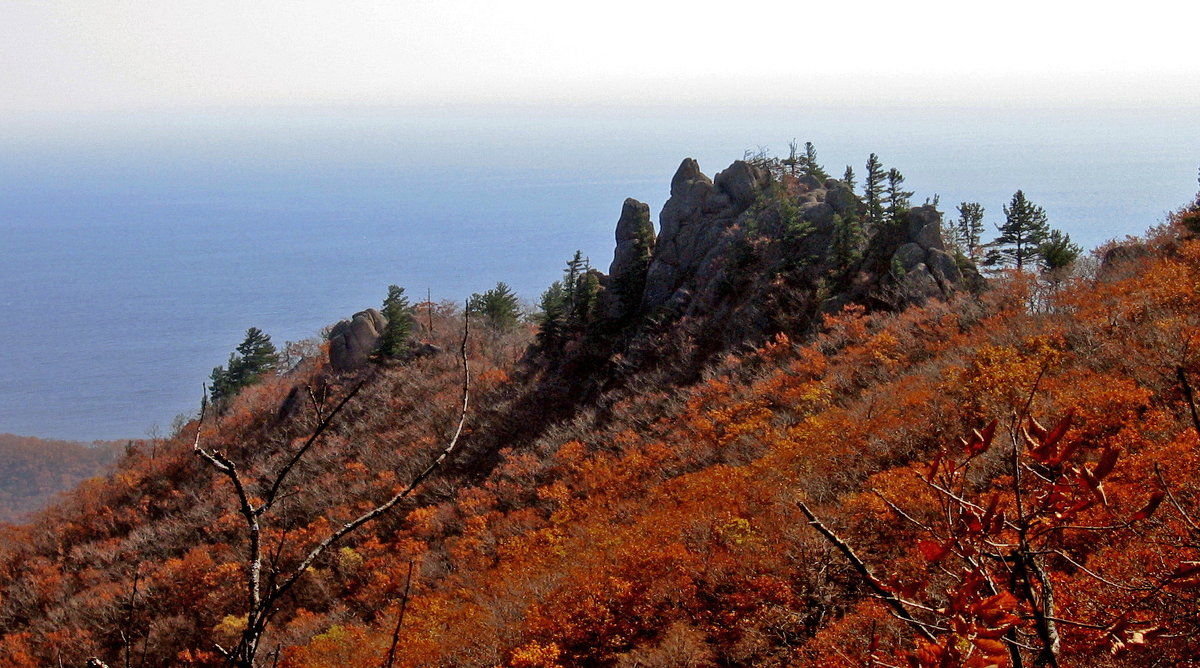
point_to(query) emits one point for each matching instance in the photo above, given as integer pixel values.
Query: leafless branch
(391, 655)
(896, 605)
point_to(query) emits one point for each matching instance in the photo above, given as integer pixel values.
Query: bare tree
(264, 594)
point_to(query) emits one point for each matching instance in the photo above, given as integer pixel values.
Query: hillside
(33, 470)
(757, 441)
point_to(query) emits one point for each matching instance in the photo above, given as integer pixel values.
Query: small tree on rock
(873, 191)
(897, 198)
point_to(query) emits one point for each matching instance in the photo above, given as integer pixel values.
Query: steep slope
(646, 512)
(33, 470)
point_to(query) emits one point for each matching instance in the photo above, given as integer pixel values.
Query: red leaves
(1042, 444)
(980, 440)
(934, 551)
(1108, 460)
(1151, 505)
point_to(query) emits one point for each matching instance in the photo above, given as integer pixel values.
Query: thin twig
(391, 655)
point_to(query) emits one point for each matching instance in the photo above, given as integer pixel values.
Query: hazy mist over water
(136, 250)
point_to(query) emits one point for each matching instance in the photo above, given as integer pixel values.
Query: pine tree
(575, 268)
(897, 198)
(873, 191)
(258, 356)
(1024, 230)
(551, 315)
(397, 334)
(968, 228)
(1058, 252)
(848, 240)
(587, 296)
(255, 357)
(809, 165)
(848, 178)
(499, 307)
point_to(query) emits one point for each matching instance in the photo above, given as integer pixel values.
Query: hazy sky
(113, 55)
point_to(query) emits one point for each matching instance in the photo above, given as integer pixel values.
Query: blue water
(136, 250)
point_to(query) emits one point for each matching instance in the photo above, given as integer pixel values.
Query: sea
(137, 248)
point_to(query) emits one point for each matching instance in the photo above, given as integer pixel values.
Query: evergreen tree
(848, 178)
(809, 165)
(576, 266)
(873, 191)
(587, 295)
(1058, 252)
(551, 317)
(255, 356)
(897, 198)
(498, 307)
(848, 240)
(1023, 232)
(968, 228)
(258, 356)
(397, 334)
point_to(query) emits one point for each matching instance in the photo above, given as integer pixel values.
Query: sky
(131, 55)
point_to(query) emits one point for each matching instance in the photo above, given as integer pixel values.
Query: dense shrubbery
(662, 525)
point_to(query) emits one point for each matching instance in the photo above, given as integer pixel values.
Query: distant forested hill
(32, 470)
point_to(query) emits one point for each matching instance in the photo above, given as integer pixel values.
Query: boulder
(810, 182)
(627, 274)
(818, 213)
(741, 182)
(839, 196)
(909, 255)
(352, 341)
(1120, 262)
(919, 285)
(943, 267)
(925, 227)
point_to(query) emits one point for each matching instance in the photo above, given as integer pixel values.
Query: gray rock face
(909, 255)
(742, 182)
(633, 225)
(925, 227)
(819, 213)
(930, 271)
(944, 268)
(1120, 262)
(352, 341)
(919, 285)
(839, 196)
(627, 273)
(692, 221)
(810, 182)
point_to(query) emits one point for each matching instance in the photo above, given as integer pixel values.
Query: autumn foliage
(1016, 470)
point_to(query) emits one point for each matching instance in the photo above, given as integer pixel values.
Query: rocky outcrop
(627, 274)
(1121, 262)
(921, 266)
(692, 221)
(352, 341)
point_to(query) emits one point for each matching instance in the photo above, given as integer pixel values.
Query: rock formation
(922, 268)
(691, 223)
(352, 341)
(627, 273)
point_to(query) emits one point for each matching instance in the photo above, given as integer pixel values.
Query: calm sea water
(135, 251)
